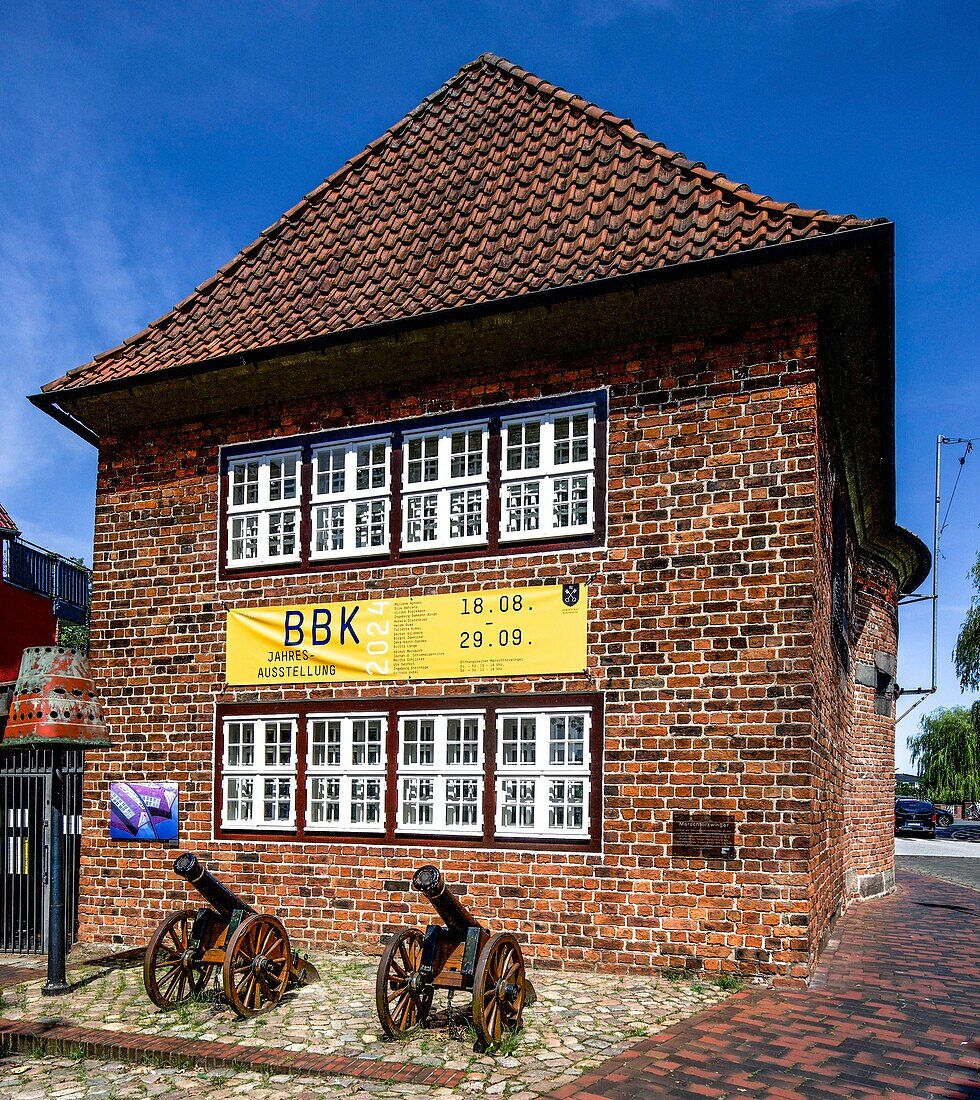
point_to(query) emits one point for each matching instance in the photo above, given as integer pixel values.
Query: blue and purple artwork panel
(143, 811)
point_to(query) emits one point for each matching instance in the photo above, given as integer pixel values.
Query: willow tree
(946, 751)
(966, 652)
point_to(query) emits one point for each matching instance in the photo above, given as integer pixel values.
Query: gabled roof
(498, 185)
(7, 526)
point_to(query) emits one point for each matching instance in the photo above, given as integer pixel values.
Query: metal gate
(25, 809)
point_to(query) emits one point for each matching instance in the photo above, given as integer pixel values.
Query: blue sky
(143, 144)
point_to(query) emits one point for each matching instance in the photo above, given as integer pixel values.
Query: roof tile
(497, 185)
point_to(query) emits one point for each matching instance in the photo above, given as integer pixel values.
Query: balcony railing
(37, 570)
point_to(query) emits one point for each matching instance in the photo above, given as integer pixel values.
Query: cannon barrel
(429, 882)
(215, 893)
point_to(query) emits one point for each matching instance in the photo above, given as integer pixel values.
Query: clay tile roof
(497, 185)
(7, 525)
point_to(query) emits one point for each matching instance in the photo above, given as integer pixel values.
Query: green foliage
(966, 652)
(74, 635)
(730, 983)
(946, 751)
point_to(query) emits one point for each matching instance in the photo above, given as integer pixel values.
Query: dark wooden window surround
(397, 430)
(392, 707)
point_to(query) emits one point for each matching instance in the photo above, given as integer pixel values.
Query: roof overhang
(844, 279)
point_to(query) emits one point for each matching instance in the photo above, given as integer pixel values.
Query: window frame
(397, 493)
(393, 709)
(263, 508)
(259, 771)
(346, 771)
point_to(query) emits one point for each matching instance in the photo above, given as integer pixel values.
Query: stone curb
(58, 1038)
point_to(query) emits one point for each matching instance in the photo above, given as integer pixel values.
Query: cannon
(459, 954)
(252, 949)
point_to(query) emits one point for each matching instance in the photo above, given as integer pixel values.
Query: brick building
(515, 344)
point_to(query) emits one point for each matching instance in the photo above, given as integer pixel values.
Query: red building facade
(515, 344)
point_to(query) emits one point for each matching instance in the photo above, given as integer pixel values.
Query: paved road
(944, 845)
(962, 872)
(891, 1014)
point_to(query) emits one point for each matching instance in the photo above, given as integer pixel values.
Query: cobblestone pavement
(579, 1020)
(892, 1011)
(962, 872)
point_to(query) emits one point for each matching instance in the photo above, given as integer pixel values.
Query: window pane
(517, 809)
(366, 741)
(572, 501)
(365, 806)
(330, 527)
(241, 744)
(325, 744)
(524, 445)
(282, 478)
(571, 439)
(422, 518)
(466, 514)
(324, 808)
(417, 802)
(371, 524)
(276, 801)
(244, 538)
(372, 466)
(278, 744)
(466, 453)
(462, 741)
(566, 804)
(462, 802)
(423, 460)
(522, 506)
(567, 739)
(245, 483)
(330, 473)
(282, 534)
(238, 800)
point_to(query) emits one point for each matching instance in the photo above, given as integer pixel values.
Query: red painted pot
(54, 701)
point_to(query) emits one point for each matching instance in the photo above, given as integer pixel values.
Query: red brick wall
(831, 707)
(701, 639)
(870, 804)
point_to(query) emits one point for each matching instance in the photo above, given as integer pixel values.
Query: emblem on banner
(569, 594)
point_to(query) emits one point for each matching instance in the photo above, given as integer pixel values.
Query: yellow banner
(487, 632)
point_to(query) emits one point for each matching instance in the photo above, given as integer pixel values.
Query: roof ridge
(658, 148)
(496, 80)
(283, 220)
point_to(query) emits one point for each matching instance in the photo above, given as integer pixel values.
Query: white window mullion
(335, 486)
(339, 766)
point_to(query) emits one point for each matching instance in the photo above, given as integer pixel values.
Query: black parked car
(915, 815)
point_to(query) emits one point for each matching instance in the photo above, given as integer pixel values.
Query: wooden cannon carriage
(252, 949)
(459, 954)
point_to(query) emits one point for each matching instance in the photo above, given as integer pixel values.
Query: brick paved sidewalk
(893, 1011)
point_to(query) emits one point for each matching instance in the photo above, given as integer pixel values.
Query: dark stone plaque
(703, 836)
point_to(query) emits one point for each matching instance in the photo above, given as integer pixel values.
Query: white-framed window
(351, 499)
(440, 772)
(547, 474)
(445, 479)
(259, 769)
(542, 775)
(345, 772)
(263, 509)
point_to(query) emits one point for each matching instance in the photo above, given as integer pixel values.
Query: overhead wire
(966, 451)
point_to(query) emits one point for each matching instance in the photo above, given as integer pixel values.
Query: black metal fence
(25, 808)
(36, 570)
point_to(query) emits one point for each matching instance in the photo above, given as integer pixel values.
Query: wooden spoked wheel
(499, 990)
(173, 971)
(257, 965)
(402, 998)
